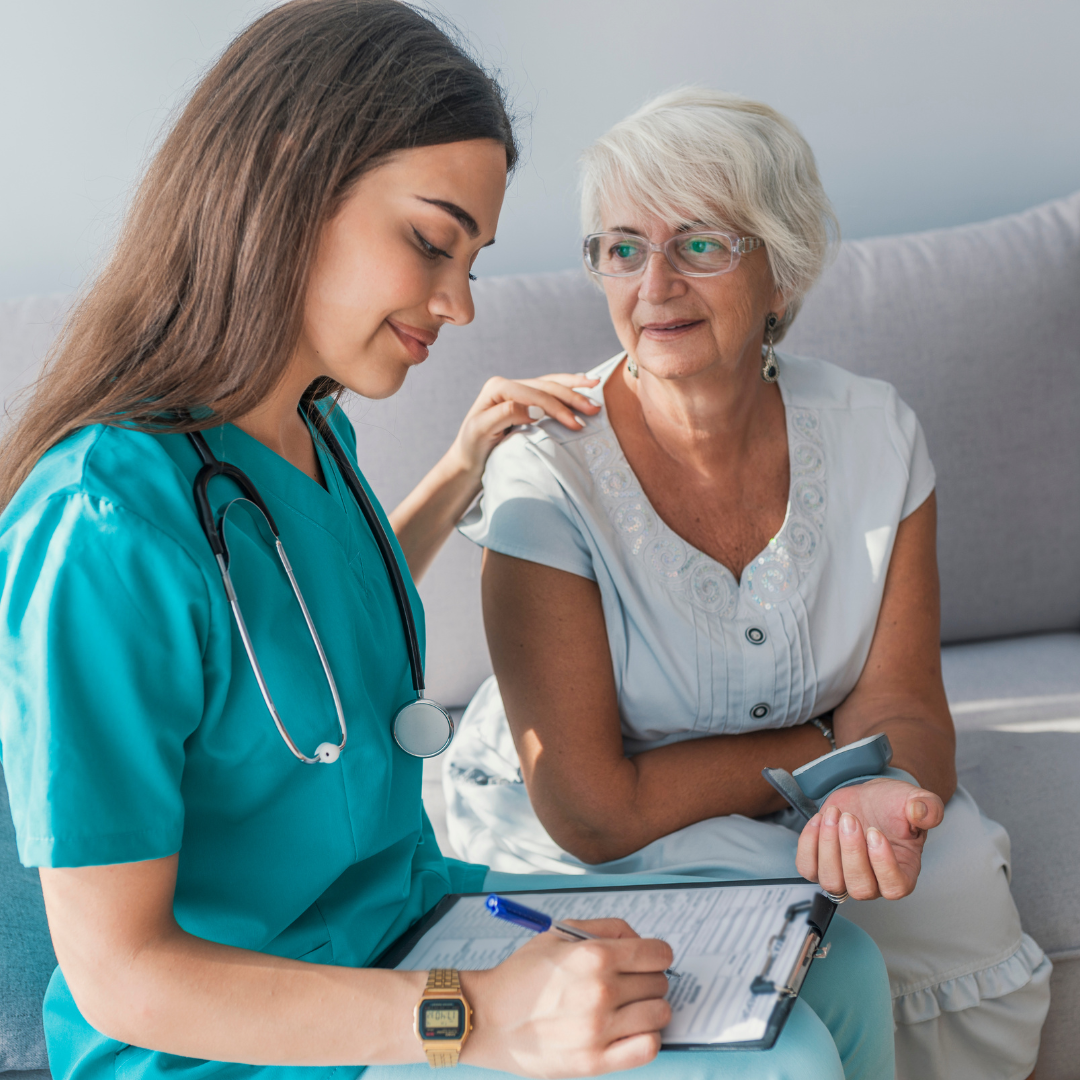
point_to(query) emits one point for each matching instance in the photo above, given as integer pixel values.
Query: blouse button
(755, 635)
(760, 711)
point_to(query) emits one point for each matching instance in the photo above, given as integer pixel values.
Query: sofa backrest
(978, 327)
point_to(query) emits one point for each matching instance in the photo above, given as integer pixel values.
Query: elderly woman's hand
(868, 839)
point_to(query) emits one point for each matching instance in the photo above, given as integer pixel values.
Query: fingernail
(832, 815)
(873, 837)
(579, 419)
(919, 810)
(535, 412)
(815, 820)
(848, 825)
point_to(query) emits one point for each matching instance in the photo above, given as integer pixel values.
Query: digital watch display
(442, 1019)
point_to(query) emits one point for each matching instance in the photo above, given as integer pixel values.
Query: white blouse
(695, 651)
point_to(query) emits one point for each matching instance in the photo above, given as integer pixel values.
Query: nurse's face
(393, 264)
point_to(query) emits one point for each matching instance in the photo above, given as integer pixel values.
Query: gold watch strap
(441, 1059)
(442, 980)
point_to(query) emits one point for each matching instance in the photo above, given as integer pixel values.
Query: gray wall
(922, 113)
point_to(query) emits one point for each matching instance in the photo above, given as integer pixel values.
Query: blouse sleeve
(525, 511)
(910, 442)
(103, 627)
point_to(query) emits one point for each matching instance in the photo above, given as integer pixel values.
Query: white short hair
(696, 154)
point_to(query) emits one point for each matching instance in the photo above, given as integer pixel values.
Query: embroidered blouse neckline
(772, 576)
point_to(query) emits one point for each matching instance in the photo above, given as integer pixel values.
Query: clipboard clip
(800, 974)
(762, 984)
(812, 950)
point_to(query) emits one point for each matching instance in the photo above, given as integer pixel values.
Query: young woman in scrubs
(308, 225)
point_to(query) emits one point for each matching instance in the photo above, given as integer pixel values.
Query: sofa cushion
(978, 328)
(1016, 704)
(26, 955)
(525, 325)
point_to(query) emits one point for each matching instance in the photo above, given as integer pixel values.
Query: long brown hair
(196, 314)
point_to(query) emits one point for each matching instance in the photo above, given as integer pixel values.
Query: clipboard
(744, 948)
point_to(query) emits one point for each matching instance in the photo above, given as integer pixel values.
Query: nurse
(308, 226)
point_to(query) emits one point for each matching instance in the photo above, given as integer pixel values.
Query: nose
(452, 300)
(659, 280)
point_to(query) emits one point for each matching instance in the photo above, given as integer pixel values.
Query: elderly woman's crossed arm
(549, 648)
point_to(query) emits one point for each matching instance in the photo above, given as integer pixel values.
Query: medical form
(742, 948)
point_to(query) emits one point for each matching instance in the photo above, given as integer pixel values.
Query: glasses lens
(616, 254)
(702, 253)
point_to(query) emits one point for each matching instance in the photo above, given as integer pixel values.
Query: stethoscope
(422, 728)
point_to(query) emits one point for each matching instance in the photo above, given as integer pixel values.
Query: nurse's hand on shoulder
(868, 839)
(505, 403)
(571, 1008)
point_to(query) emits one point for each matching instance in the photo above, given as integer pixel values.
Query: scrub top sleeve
(103, 624)
(910, 443)
(525, 512)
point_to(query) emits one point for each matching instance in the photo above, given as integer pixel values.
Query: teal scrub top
(132, 726)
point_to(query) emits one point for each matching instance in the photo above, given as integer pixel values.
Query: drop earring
(631, 366)
(770, 369)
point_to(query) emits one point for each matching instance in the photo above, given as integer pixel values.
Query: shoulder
(816, 384)
(863, 422)
(547, 447)
(100, 475)
(858, 406)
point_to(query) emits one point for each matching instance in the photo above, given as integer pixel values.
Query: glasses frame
(740, 245)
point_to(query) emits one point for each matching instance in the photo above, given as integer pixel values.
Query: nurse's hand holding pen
(572, 1008)
(555, 1008)
(427, 516)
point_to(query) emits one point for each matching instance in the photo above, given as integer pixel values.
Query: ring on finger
(837, 898)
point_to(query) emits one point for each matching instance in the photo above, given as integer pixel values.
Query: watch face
(442, 1019)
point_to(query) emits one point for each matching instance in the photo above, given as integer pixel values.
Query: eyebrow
(685, 227)
(460, 215)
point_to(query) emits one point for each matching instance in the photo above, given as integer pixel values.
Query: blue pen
(536, 921)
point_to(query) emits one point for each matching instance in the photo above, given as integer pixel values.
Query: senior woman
(733, 566)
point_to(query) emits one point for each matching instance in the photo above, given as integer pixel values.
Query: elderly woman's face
(677, 326)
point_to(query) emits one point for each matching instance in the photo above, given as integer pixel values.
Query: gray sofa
(979, 329)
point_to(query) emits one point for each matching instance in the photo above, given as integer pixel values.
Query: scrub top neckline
(284, 486)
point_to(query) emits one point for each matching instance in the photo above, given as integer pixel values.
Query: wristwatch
(442, 1019)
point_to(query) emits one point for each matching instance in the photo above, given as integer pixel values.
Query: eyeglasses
(696, 254)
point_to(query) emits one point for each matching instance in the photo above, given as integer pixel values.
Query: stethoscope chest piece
(423, 728)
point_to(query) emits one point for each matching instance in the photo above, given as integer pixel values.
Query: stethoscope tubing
(213, 527)
(412, 641)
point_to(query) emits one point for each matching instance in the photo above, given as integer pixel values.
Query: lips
(671, 328)
(415, 339)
